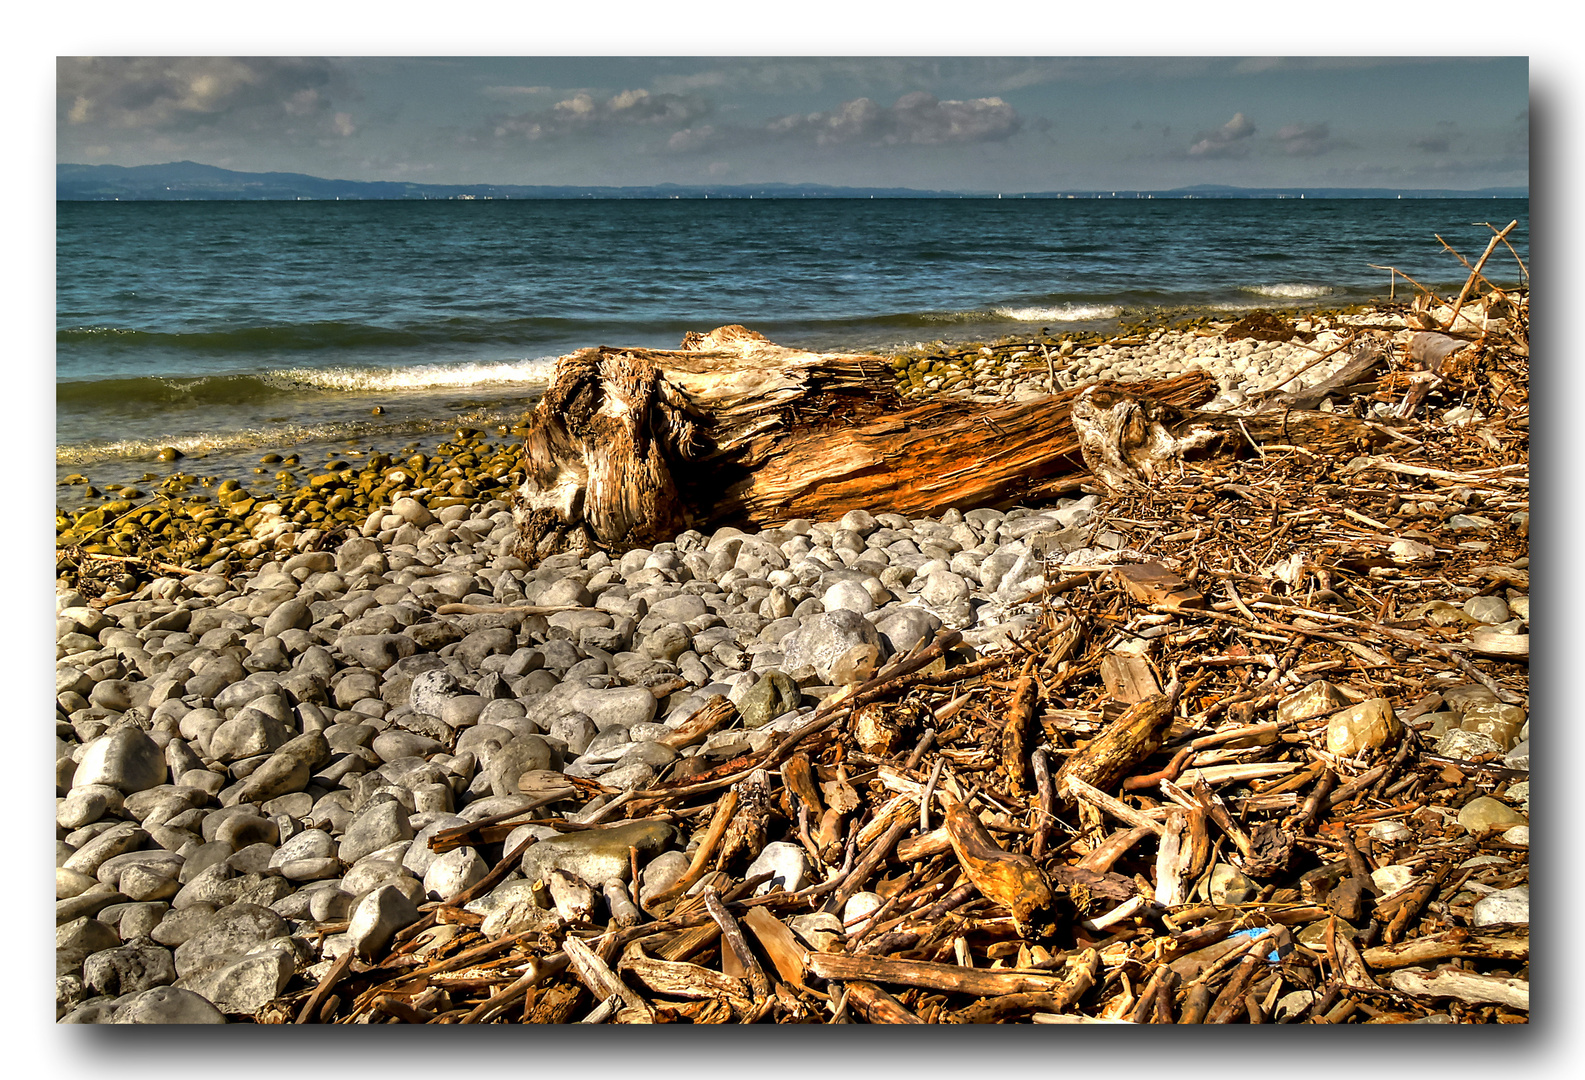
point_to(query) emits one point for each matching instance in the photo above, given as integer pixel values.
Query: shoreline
(400, 738)
(350, 422)
(1013, 368)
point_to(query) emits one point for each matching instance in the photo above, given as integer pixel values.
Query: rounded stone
(859, 907)
(454, 871)
(1391, 878)
(136, 966)
(293, 614)
(85, 805)
(772, 696)
(1487, 609)
(1485, 814)
(1228, 886)
(1369, 725)
(788, 864)
(377, 826)
(824, 641)
(167, 1005)
(848, 596)
(249, 734)
(394, 744)
(621, 706)
(420, 856)
(248, 984)
(1502, 906)
(577, 730)
(125, 759)
(378, 916)
(373, 872)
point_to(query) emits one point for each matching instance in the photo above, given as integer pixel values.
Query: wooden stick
(1015, 731)
(724, 810)
(1475, 273)
(1078, 789)
(1083, 971)
(1005, 877)
(310, 1010)
(1449, 944)
(980, 982)
(1469, 986)
(603, 982)
(1048, 802)
(876, 1005)
(732, 934)
(872, 858)
(537, 971)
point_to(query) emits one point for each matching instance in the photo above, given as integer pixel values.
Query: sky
(966, 122)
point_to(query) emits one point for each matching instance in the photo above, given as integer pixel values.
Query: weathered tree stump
(631, 446)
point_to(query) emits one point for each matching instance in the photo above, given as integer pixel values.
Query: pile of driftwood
(1165, 804)
(632, 446)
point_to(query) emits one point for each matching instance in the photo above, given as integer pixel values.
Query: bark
(632, 446)
(1009, 878)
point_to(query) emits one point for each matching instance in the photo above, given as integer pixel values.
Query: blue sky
(985, 122)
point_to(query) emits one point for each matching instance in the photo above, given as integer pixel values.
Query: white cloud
(582, 113)
(1306, 140)
(187, 92)
(917, 118)
(1225, 141)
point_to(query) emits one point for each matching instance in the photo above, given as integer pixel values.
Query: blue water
(224, 328)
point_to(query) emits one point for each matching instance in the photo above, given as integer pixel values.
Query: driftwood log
(632, 446)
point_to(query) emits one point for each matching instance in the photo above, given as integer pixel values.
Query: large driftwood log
(631, 446)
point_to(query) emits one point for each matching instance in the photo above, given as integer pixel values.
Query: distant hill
(188, 180)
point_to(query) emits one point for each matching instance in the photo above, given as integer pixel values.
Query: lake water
(229, 329)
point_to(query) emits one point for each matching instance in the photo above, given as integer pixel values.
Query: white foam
(1063, 313)
(424, 376)
(1290, 290)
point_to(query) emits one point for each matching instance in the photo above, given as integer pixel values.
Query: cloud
(1226, 141)
(583, 114)
(514, 91)
(917, 118)
(1306, 140)
(187, 92)
(691, 140)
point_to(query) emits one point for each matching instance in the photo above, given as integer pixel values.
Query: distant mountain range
(188, 180)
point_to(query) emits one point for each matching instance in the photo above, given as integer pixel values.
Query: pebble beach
(271, 692)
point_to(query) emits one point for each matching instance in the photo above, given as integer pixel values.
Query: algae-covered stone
(598, 854)
(1228, 886)
(1485, 814)
(1368, 725)
(774, 695)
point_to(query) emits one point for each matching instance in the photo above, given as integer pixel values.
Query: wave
(422, 376)
(1060, 313)
(257, 388)
(296, 337)
(1294, 290)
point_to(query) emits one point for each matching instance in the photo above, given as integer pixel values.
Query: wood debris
(1037, 847)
